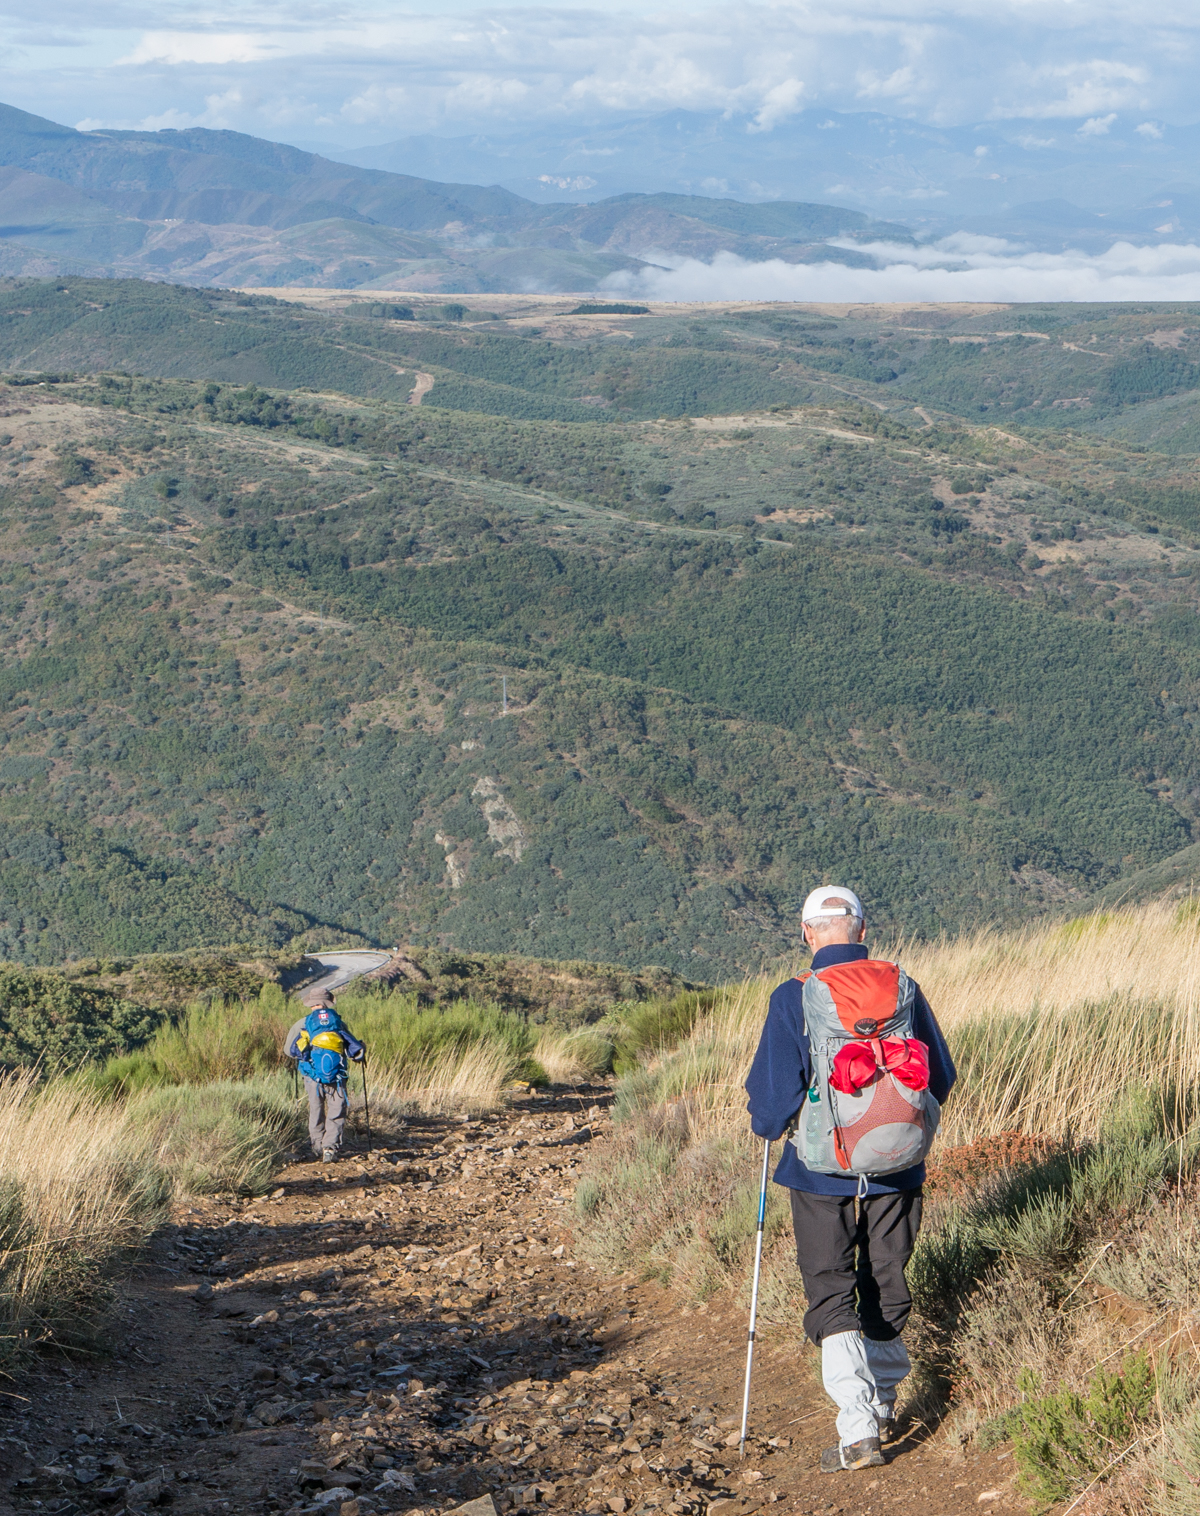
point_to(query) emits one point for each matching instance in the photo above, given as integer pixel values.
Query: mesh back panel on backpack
(885, 1126)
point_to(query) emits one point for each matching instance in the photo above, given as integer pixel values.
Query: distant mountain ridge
(220, 207)
(1132, 178)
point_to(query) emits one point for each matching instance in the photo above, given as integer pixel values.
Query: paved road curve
(340, 968)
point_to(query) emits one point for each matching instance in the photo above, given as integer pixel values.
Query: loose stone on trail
(376, 1350)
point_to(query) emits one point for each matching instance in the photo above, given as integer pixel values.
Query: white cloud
(1097, 126)
(897, 85)
(1083, 87)
(484, 94)
(1149, 130)
(457, 64)
(779, 102)
(378, 102)
(962, 267)
(219, 48)
(220, 111)
(981, 152)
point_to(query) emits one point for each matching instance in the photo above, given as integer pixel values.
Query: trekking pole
(762, 1213)
(366, 1104)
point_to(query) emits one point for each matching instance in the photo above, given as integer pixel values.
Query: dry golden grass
(1046, 1024)
(572, 1057)
(1050, 1022)
(78, 1186)
(454, 1080)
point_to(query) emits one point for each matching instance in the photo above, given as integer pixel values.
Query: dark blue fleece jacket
(782, 1071)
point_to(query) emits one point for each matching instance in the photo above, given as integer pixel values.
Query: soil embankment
(411, 1330)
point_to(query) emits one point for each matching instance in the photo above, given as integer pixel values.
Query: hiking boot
(887, 1430)
(328, 1156)
(852, 1455)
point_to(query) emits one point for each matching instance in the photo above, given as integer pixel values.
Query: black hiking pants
(852, 1255)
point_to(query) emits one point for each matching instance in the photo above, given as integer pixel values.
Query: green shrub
(609, 308)
(49, 1020)
(948, 1260)
(220, 1136)
(645, 1028)
(209, 1043)
(1157, 1259)
(1065, 1440)
(1041, 1216)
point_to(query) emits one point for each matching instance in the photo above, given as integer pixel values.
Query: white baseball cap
(831, 900)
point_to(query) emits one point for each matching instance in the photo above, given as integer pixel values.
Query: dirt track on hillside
(411, 1330)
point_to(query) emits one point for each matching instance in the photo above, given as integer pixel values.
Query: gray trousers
(327, 1106)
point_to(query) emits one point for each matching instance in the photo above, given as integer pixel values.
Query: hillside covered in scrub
(630, 630)
(223, 208)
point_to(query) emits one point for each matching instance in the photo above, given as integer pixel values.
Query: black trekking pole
(366, 1103)
(758, 1245)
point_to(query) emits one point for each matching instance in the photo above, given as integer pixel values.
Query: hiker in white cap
(852, 1062)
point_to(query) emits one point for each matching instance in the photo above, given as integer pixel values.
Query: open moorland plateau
(566, 643)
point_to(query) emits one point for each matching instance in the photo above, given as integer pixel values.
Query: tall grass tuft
(574, 1057)
(453, 1080)
(79, 1189)
(209, 1043)
(217, 1137)
(449, 1059)
(1046, 1023)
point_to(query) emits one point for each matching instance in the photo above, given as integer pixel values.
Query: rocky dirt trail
(411, 1330)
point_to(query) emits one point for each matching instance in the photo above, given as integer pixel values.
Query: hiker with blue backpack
(853, 1066)
(321, 1043)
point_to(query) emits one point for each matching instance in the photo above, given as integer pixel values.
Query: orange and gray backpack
(868, 1111)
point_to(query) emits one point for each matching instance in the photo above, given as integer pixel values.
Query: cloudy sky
(363, 71)
(346, 74)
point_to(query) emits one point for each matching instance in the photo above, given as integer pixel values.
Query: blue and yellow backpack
(322, 1045)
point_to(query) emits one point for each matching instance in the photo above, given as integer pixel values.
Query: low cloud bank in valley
(959, 267)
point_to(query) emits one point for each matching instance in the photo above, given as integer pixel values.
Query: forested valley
(635, 626)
